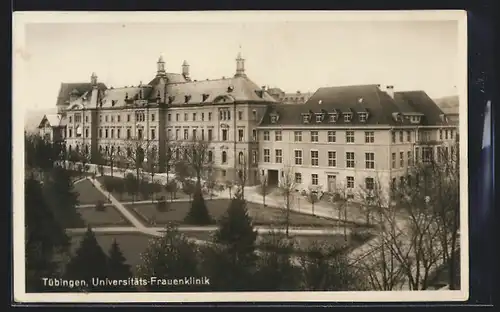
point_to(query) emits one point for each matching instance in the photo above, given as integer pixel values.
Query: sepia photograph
(240, 156)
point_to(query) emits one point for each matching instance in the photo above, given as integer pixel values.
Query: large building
(345, 137)
(289, 98)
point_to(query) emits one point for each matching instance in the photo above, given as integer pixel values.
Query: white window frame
(316, 162)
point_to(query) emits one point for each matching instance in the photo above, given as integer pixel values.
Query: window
(279, 156)
(333, 117)
(240, 115)
(176, 117)
(128, 118)
(298, 157)
(274, 118)
(194, 134)
(202, 116)
(446, 152)
(194, 116)
(305, 118)
(350, 182)
(185, 116)
(370, 160)
(87, 118)
(314, 158)
(446, 134)
(152, 117)
(224, 157)
(297, 136)
(224, 173)
(401, 159)
(331, 137)
(106, 131)
(362, 117)
(105, 118)
(408, 136)
(426, 154)
(314, 179)
(277, 135)
(87, 132)
(177, 134)
(112, 133)
(254, 135)
(319, 117)
(314, 136)
(266, 135)
(210, 134)
(417, 154)
(401, 136)
(369, 183)
(451, 134)
(267, 155)
(439, 153)
(241, 158)
(203, 134)
(254, 157)
(410, 157)
(347, 117)
(224, 134)
(349, 156)
(298, 177)
(349, 136)
(393, 160)
(228, 115)
(139, 134)
(169, 117)
(70, 133)
(186, 134)
(240, 135)
(369, 136)
(78, 118)
(128, 134)
(209, 116)
(332, 159)
(254, 115)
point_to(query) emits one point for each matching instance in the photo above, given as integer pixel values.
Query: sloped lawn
(88, 194)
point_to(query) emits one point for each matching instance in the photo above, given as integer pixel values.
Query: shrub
(100, 206)
(198, 214)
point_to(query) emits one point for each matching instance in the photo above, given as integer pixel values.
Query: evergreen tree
(88, 263)
(275, 268)
(198, 214)
(118, 269)
(170, 256)
(237, 239)
(62, 198)
(45, 239)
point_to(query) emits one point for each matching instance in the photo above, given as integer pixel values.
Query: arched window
(210, 156)
(240, 158)
(86, 149)
(77, 149)
(224, 157)
(70, 149)
(107, 150)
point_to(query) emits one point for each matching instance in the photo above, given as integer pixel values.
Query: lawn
(126, 197)
(131, 245)
(109, 217)
(88, 194)
(302, 241)
(177, 211)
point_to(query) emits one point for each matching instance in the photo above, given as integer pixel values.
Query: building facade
(347, 138)
(338, 138)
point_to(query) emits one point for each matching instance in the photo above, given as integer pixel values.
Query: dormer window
(347, 117)
(319, 117)
(113, 102)
(230, 89)
(333, 117)
(204, 97)
(171, 99)
(187, 98)
(362, 117)
(415, 119)
(274, 118)
(305, 118)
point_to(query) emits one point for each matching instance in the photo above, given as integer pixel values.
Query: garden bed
(110, 216)
(177, 211)
(88, 193)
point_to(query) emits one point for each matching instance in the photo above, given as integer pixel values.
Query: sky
(292, 55)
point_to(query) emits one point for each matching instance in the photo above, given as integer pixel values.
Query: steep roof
(54, 120)
(357, 99)
(171, 78)
(80, 87)
(235, 88)
(116, 97)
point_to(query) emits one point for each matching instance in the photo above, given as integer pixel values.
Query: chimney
(390, 91)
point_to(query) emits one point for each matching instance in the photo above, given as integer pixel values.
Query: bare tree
(263, 188)
(197, 154)
(110, 156)
(313, 198)
(135, 154)
(286, 188)
(210, 181)
(241, 175)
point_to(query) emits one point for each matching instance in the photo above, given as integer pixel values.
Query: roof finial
(240, 65)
